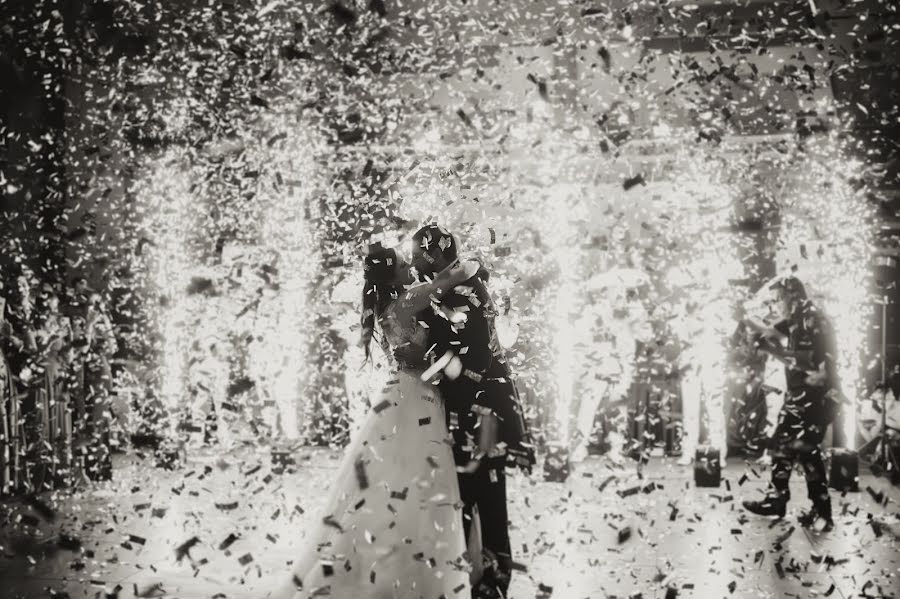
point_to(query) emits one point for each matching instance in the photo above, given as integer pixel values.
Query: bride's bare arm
(419, 297)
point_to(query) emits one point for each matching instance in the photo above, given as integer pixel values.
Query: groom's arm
(467, 332)
(418, 298)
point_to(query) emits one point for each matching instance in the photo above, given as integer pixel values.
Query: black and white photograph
(449, 299)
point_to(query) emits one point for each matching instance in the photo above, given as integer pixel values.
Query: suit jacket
(809, 331)
(463, 322)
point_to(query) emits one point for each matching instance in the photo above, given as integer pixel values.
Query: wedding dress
(392, 526)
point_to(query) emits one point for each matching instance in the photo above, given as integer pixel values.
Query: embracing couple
(418, 507)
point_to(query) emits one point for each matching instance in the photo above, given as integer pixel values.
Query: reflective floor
(120, 539)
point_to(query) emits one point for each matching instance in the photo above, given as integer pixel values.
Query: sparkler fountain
(267, 294)
(563, 211)
(828, 241)
(165, 265)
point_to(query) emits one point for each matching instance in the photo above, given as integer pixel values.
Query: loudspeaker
(844, 470)
(283, 457)
(707, 467)
(674, 436)
(556, 464)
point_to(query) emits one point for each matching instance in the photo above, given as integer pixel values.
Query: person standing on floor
(803, 340)
(484, 413)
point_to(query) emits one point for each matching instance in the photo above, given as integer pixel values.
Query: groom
(481, 402)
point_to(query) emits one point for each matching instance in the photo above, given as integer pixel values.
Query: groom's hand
(469, 468)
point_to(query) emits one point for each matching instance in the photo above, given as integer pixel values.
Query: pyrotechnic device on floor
(674, 434)
(556, 464)
(707, 467)
(282, 457)
(844, 470)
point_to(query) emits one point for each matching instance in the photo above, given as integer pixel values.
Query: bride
(392, 526)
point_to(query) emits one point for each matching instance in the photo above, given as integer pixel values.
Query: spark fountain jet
(255, 284)
(289, 232)
(166, 205)
(561, 231)
(828, 242)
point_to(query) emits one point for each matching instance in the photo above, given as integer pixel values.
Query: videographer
(803, 340)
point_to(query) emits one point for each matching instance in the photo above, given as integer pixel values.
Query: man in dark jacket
(483, 410)
(804, 342)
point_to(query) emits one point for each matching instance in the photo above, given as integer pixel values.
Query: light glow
(255, 287)
(828, 240)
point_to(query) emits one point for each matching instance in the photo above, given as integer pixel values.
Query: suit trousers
(797, 440)
(486, 490)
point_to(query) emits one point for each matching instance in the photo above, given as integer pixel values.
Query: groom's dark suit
(485, 385)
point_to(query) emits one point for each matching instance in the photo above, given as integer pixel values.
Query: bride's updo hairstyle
(380, 289)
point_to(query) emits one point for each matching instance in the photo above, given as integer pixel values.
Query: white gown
(392, 526)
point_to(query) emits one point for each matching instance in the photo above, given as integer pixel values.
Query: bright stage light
(703, 265)
(289, 214)
(163, 268)
(259, 282)
(828, 238)
(564, 209)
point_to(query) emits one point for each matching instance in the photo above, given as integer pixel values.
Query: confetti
(228, 542)
(361, 478)
(631, 182)
(184, 549)
(223, 168)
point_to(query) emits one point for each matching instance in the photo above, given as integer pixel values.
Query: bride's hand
(410, 354)
(454, 368)
(449, 364)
